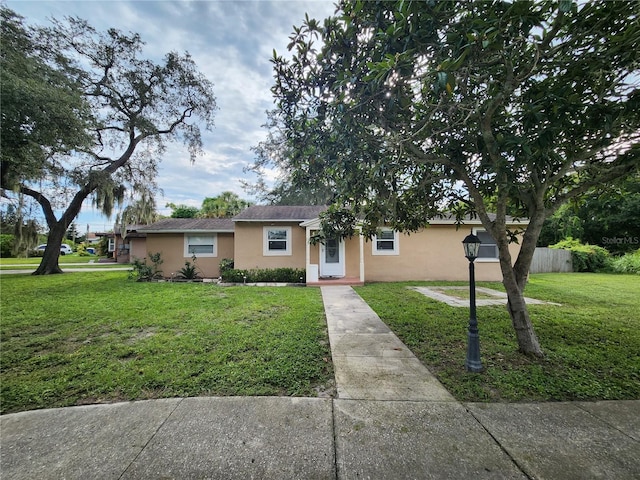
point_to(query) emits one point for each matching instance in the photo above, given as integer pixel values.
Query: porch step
(326, 282)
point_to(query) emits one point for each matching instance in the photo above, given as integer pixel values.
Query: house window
(112, 245)
(277, 241)
(200, 245)
(386, 242)
(488, 247)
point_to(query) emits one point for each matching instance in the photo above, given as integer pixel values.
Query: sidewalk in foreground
(313, 438)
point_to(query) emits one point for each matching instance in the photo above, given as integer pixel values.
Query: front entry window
(332, 251)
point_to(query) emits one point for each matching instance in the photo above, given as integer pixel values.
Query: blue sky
(231, 42)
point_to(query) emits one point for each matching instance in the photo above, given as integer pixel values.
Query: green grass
(591, 342)
(35, 261)
(464, 294)
(98, 337)
(65, 265)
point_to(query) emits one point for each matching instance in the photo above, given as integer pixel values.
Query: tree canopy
(294, 186)
(43, 111)
(608, 216)
(225, 205)
(408, 109)
(122, 108)
(183, 211)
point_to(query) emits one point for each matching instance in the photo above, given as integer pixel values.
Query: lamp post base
(475, 367)
(472, 362)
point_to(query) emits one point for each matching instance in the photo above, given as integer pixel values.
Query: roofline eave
(272, 220)
(186, 230)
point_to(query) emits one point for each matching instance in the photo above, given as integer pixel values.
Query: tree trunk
(57, 228)
(49, 264)
(514, 278)
(517, 307)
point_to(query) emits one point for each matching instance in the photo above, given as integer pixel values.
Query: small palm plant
(190, 270)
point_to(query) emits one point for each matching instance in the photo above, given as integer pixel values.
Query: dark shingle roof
(282, 213)
(190, 225)
(132, 231)
(448, 219)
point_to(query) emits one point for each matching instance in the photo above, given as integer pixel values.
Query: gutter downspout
(361, 256)
(307, 237)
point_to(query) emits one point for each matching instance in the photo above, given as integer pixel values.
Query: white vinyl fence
(551, 260)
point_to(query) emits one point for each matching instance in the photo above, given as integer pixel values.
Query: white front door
(332, 258)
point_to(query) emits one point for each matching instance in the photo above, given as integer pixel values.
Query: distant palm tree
(225, 205)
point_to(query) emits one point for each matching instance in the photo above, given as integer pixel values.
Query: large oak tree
(405, 109)
(121, 110)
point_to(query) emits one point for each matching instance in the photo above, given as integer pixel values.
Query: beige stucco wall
(137, 248)
(352, 257)
(171, 246)
(249, 247)
(314, 254)
(434, 253)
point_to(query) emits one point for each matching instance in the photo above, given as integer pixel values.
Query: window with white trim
(112, 245)
(488, 247)
(201, 245)
(386, 242)
(277, 241)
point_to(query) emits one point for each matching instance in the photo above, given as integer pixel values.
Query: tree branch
(44, 203)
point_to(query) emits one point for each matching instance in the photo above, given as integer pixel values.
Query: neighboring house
(125, 249)
(179, 239)
(93, 238)
(278, 236)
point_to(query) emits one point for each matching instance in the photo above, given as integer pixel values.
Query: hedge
(6, 245)
(279, 275)
(629, 263)
(586, 258)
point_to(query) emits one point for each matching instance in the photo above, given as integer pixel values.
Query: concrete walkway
(369, 361)
(380, 427)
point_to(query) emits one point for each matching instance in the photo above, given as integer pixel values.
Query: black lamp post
(471, 245)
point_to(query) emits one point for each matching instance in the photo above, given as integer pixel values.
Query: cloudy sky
(231, 42)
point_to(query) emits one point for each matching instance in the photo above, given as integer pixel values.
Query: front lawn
(98, 337)
(33, 262)
(592, 341)
(65, 266)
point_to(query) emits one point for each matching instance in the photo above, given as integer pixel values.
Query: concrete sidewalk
(313, 438)
(371, 431)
